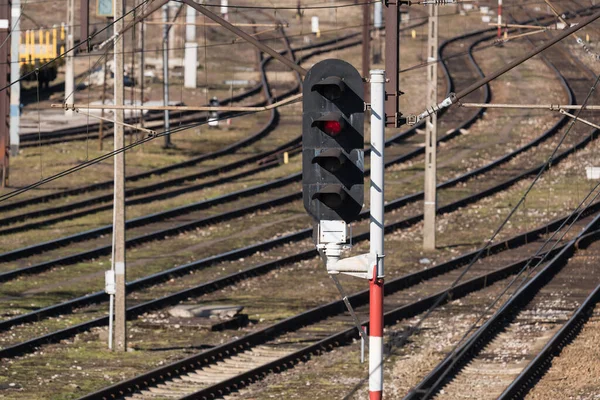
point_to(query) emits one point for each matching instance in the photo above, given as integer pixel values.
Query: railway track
(140, 283)
(157, 191)
(227, 150)
(543, 314)
(160, 277)
(462, 118)
(486, 363)
(229, 367)
(153, 119)
(203, 376)
(292, 355)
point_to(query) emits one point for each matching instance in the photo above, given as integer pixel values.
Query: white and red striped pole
(499, 19)
(376, 235)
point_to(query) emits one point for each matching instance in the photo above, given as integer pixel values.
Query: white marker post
(377, 235)
(225, 10)
(314, 26)
(191, 50)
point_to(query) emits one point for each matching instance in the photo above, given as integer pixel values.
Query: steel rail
(65, 307)
(174, 182)
(68, 306)
(400, 201)
(219, 283)
(87, 131)
(446, 370)
(248, 250)
(149, 188)
(234, 383)
(543, 360)
(437, 378)
(312, 316)
(160, 171)
(140, 221)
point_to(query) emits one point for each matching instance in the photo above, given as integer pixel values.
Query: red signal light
(332, 128)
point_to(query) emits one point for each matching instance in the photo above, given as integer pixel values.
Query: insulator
(439, 2)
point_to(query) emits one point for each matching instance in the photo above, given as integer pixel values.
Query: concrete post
(15, 90)
(191, 50)
(70, 64)
(119, 187)
(165, 44)
(431, 135)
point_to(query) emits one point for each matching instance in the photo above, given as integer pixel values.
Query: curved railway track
(499, 347)
(66, 307)
(220, 217)
(231, 366)
(402, 223)
(546, 312)
(219, 371)
(470, 117)
(265, 160)
(227, 150)
(153, 119)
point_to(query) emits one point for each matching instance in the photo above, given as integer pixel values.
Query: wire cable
(498, 230)
(110, 154)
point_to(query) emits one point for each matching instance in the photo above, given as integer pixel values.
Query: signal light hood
(331, 87)
(333, 196)
(331, 159)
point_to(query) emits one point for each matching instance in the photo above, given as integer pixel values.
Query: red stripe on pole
(375, 395)
(376, 306)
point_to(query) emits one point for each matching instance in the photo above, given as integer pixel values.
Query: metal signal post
(377, 235)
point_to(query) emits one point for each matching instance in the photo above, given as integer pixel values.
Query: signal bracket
(333, 237)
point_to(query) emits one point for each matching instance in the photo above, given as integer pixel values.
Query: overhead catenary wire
(574, 217)
(110, 154)
(496, 232)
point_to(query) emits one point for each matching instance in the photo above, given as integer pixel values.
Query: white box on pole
(224, 7)
(314, 24)
(378, 15)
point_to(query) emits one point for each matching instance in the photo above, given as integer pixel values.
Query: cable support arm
(148, 131)
(438, 2)
(292, 99)
(579, 40)
(455, 97)
(551, 107)
(578, 118)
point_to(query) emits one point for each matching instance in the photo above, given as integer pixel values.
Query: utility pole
(5, 10)
(376, 228)
(142, 68)
(431, 135)
(191, 50)
(15, 90)
(119, 186)
(69, 65)
(366, 46)
(165, 15)
(392, 65)
(499, 19)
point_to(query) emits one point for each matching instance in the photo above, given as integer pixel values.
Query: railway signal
(333, 183)
(333, 141)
